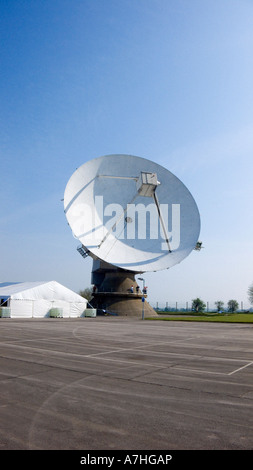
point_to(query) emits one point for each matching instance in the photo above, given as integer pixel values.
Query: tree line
(199, 305)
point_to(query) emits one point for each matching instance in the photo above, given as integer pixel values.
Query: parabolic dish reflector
(132, 213)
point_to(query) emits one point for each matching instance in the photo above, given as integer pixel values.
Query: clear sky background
(167, 80)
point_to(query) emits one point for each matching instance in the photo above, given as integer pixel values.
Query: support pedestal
(115, 295)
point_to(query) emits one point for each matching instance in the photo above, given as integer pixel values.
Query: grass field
(206, 317)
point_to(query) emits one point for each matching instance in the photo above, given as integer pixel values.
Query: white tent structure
(39, 299)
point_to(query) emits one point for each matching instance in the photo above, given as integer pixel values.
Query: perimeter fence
(177, 306)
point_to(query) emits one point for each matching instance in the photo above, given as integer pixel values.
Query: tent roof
(49, 290)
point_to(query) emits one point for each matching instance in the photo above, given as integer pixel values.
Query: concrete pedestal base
(115, 295)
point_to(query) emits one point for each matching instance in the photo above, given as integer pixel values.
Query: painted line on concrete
(240, 368)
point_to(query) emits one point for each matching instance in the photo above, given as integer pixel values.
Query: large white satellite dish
(132, 213)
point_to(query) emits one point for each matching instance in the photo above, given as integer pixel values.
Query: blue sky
(167, 80)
